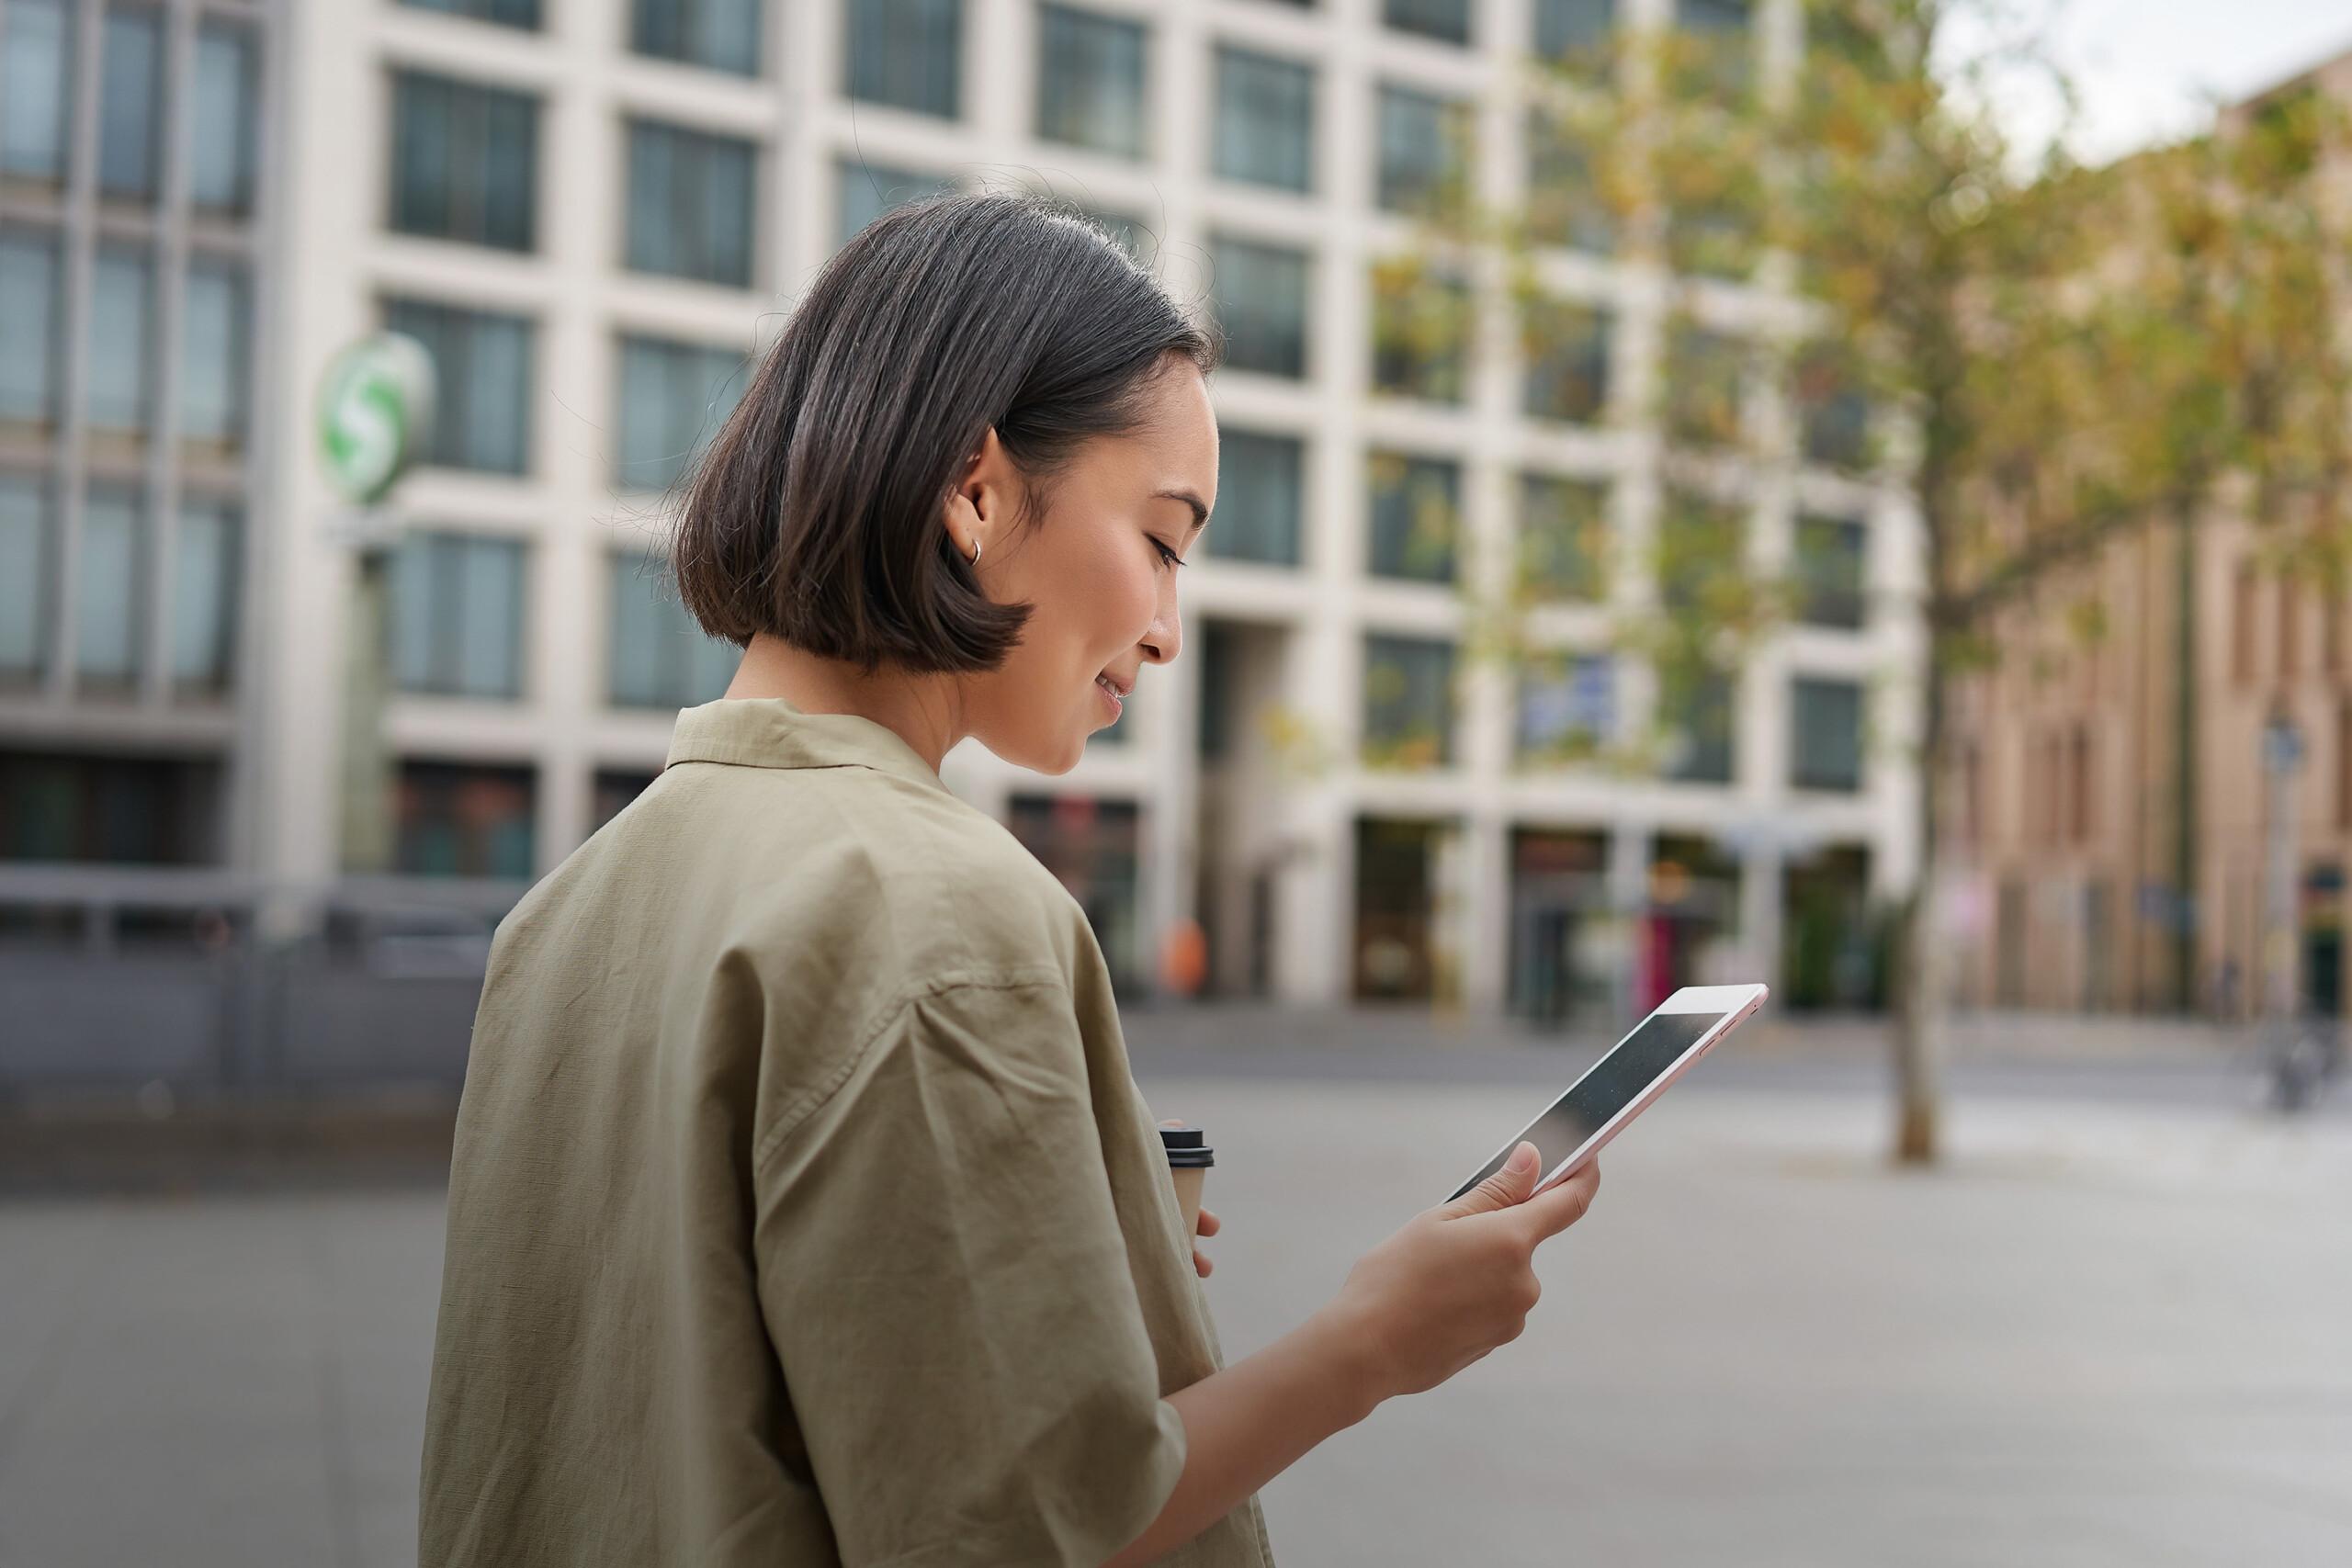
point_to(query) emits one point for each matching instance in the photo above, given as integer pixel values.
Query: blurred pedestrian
(1184, 959)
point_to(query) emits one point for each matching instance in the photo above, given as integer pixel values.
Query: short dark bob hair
(814, 513)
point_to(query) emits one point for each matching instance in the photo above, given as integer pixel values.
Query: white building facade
(592, 211)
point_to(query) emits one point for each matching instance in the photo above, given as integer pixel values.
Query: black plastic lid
(1187, 1147)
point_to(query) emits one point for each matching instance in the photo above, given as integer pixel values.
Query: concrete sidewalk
(2101, 1336)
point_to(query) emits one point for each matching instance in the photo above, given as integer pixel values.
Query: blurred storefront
(1833, 940)
(1094, 847)
(1693, 915)
(1404, 903)
(1568, 946)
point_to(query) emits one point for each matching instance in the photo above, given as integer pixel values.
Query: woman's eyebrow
(1200, 508)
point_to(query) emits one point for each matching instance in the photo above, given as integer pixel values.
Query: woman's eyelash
(1171, 556)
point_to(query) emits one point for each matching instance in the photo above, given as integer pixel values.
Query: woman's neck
(922, 710)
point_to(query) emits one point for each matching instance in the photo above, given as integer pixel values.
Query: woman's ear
(981, 503)
(961, 517)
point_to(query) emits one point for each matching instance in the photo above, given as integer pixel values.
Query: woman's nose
(1162, 641)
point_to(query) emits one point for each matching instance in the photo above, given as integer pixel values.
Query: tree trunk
(1919, 955)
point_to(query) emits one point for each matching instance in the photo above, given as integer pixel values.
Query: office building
(595, 212)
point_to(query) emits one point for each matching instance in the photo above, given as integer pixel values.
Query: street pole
(365, 757)
(374, 406)
(2282, 755)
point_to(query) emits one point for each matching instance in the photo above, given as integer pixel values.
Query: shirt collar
(768, 732)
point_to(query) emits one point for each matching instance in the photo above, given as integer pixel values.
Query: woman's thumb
(1510, 1184)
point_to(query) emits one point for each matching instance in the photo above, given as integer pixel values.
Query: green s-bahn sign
(375, 405)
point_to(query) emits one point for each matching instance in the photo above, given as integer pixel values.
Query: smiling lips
(1113, 692)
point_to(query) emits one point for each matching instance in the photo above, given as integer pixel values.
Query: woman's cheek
(1127, 602)
(1146, 604)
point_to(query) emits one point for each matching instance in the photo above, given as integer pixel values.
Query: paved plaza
(2108, 1331)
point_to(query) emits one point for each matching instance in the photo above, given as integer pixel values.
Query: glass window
(1716, 232)
(465, 162)
(1407, 701)
(1713, 16)
(119, 368)
(1416, 517)
(1424, 140)
(1421, 333)
(204, 594)
(1563, 537)
(1213, 739)
(107, 597)
(36, 87)
(1701, 548)
(1448, 21)
(1265, 120)
(131, 97)
(1826, 752)
(1724, 30)
(1259, 503)
(220, 159)
(1703, 375)
(28, 317)
(24, 577)
(453, 820)
(1697, 706)
(1830, 556)
(1564, 201)
(1092, 847)
(659, 656)
(215, 328)
(906, 54)
(1567, 708)
(1567, 349)
(481, 365)
(506, 12)
(721, 34)
(674, 397)
(691, 205)
(117, 810)
(456, 615)
(869, 190)
(1566, 29)
(613, 790)
(1260, 293)
(1833, 415)
(1090, 81)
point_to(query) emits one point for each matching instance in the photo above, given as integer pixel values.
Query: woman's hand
(1458, 1280)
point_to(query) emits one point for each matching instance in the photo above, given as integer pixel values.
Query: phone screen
(1607, 1088)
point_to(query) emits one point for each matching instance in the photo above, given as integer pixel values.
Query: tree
(2052, 357)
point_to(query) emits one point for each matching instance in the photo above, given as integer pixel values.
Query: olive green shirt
(803, 1209)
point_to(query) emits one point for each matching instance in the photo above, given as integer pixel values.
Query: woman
(803, 1208)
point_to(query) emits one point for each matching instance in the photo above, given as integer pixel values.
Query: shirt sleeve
(943, 1275)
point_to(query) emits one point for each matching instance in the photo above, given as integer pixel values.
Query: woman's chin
(1051, 757)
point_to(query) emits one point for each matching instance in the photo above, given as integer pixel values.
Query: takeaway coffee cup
(1189, 1160)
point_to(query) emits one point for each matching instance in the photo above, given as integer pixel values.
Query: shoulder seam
(977, 978)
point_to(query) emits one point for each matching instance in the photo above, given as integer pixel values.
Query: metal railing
(204, 981)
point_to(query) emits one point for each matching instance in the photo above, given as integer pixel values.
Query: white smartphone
(1621, 1085)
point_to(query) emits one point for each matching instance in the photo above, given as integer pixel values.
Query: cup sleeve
(943, 1276)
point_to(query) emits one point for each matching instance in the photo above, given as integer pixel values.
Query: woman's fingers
(1200, 1264)
(1208, 1222)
